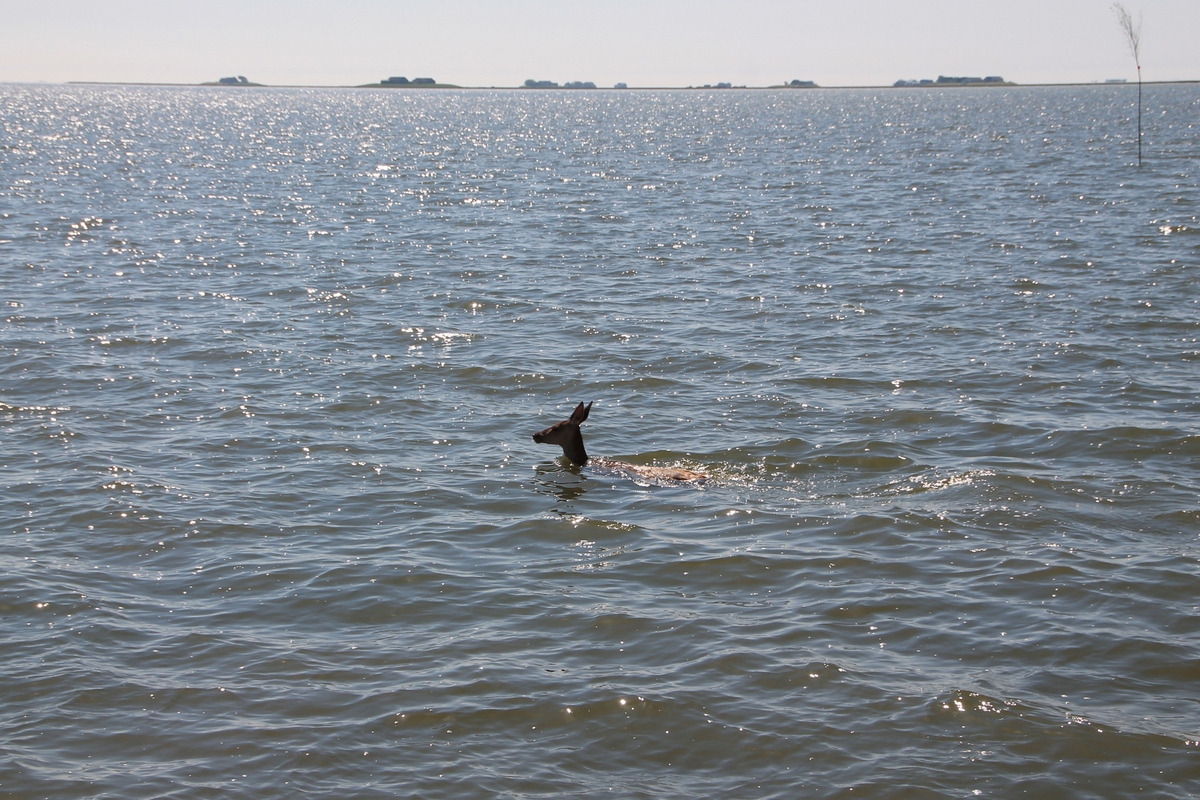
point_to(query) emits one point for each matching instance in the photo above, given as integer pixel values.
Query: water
(274, 525)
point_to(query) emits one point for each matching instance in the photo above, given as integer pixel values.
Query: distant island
(533, 84)
(238, 80)
(991, 80)
(400, 82)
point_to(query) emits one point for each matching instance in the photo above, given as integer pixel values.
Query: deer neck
(573, 448)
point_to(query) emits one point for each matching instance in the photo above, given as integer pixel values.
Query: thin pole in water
(1139, 67)
(1133, 36)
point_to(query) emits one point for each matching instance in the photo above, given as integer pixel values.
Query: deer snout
(548, 435)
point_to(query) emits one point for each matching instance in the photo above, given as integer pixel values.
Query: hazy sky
(640, 42)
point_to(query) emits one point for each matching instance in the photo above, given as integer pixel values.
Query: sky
(638, 42)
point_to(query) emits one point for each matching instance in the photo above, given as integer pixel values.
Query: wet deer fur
(567, 435)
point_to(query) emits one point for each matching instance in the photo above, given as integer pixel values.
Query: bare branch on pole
(1133, 36)
(1132, 31)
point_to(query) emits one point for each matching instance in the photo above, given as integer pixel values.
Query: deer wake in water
(567, 435)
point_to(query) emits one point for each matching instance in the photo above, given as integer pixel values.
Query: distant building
(620, 86)
(579, 85)
(532, 84)
(1115, 80)
(423, 81)
(724, 85)
(240, 80)
(395, 81)
(803, 84)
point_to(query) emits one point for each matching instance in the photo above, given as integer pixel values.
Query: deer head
(566, 434)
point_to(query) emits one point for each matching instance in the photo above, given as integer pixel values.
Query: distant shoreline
(775, 87)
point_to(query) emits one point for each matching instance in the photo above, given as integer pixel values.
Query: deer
(567, 435)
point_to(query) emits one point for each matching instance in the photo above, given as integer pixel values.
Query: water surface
(275, 527)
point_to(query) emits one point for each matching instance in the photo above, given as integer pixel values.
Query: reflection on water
(562, 479)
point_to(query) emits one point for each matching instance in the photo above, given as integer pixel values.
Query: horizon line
(444, 86)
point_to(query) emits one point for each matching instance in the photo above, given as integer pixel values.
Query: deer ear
(580, 414)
